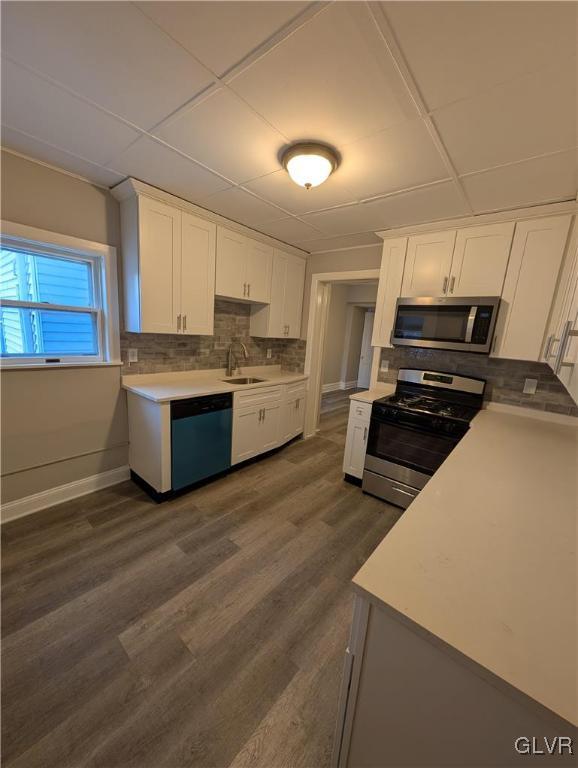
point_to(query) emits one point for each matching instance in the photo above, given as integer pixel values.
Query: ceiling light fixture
(309, 164)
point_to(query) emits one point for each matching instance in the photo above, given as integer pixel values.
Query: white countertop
(485, 557)
(163, 387)
(369, 395)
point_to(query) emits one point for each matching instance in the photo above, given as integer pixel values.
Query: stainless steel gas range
(413, 431)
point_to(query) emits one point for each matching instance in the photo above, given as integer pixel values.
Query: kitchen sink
(244, 380)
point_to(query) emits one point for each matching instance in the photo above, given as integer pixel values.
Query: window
(51, 304)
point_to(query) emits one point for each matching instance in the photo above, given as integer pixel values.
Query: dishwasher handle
(197, 406)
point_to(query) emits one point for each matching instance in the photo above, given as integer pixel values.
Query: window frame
(105, 289)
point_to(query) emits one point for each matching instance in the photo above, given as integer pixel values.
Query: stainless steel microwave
(455, 323)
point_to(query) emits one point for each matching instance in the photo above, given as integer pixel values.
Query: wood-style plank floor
(207, 631)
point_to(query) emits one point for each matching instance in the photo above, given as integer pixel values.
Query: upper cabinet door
(159, 266)
(293, 303)
(389, 290)
(427, 265)
(275, 315)
(258, 275)
(480, 260)
(231, 278)
(567, 353)
(197, 283)
(537, 251)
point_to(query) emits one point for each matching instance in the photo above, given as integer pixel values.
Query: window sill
(58, 366)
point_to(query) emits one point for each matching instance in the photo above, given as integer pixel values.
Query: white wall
(345, 331)
(334, 338)
(59, 425)
(337, 261)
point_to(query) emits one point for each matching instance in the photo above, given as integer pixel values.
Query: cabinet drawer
(359, 410)
(298, 389)
(260, 396)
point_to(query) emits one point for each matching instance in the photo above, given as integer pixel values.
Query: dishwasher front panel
(201, 441)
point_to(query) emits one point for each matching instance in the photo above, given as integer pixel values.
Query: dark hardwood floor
(207, 631)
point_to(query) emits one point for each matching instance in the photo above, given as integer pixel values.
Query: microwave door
(432, 323)
(452, 323)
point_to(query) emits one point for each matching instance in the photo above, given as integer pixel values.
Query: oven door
(408, 454)
(446, 323)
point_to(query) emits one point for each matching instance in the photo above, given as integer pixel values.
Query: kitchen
(210, 549)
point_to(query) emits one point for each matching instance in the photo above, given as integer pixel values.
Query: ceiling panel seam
(251, 58)
(518, 162)
(387, 35)
(80, 97)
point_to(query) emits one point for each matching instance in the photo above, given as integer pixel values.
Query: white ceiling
(437, 109)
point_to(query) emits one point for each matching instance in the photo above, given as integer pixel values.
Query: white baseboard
(337, 385)
(331, 387)
(29, 504)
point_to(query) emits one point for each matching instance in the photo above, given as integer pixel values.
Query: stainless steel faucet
(232, 360)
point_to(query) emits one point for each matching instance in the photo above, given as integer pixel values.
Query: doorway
(339, 355)
(366, 352)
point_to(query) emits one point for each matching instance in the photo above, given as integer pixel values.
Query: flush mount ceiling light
(309, 164)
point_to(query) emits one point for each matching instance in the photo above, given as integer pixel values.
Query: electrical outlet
(133, 355)
(269, 353)
(384, 367)
(530, 386)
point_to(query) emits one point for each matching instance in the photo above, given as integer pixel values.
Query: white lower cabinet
(293, 411)
(266, 418)
(356, 441)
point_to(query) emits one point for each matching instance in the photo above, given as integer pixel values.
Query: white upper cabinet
(427, 264)
(566, 359)
(389, 289)
(159, 251)
(282, 317)
(561, 346)
(537, 253)
(258, 275)
(480, 260)
(243, 267)
(169, 268)
(231, 278)
(198, 238)
(293, 303)
(466, 262)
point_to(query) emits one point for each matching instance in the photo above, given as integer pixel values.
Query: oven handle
(470, 325)
(412, 428)
(400, 490)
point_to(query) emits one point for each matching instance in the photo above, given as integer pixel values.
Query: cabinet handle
(364, 434)
(248, 289)
(184, 322)
(260, 413)
(452, 283)
(564, 338)
(264, 414)
(244, 289)
(178, 323)
(445, 286)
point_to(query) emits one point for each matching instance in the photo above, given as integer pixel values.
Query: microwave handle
(470, 324)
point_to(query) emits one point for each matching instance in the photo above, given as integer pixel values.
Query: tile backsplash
(504, 378)
(161, 353)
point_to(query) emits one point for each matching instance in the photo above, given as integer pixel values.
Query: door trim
(319, 297)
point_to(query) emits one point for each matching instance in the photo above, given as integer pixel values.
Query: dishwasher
(201, 431)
